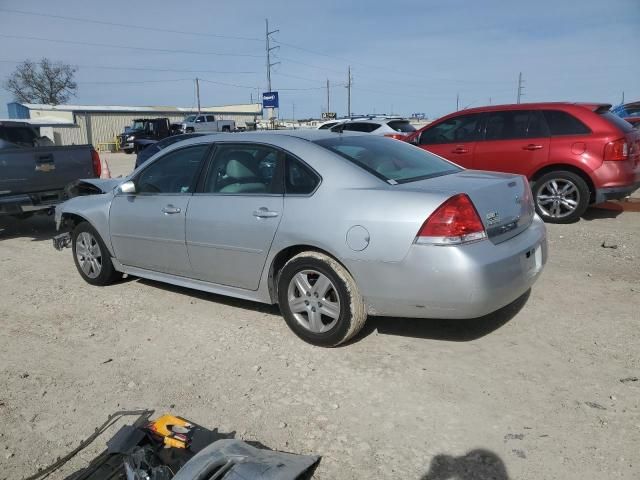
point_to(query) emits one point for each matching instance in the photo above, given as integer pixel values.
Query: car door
(453, 138)
(514, 141)
(148, 227)
(234, 215)
(200, 124)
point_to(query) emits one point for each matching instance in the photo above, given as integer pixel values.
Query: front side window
(244, 169)
(562, 123)
(175, 172)
(392, 161)
(463, 128)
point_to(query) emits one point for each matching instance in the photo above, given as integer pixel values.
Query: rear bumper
(25, 203)
(615, 193)
(454, 282)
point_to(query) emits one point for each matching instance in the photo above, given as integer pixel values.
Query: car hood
(92, 186)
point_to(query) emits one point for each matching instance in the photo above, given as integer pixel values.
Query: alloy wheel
(314, 301)
(89, 254)
(558, 198)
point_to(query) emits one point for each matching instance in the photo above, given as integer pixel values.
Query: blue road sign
(270, 100)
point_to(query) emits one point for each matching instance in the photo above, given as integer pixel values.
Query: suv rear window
(615, 120)
(361, 127)
(401, 126)
(561, 123)
(390, 160)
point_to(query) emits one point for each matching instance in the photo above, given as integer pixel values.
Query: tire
(226, 129)
(327, 324)
(189, 130)
(97, 269)
(128, 151)
(561, 196)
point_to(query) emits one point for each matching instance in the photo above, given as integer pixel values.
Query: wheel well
(71, 220)
(572, 169)
(283, 256)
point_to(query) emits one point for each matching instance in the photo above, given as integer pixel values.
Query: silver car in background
(332, 227)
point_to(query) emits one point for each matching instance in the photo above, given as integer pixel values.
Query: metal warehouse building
(81, 124)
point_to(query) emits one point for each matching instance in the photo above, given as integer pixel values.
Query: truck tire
(128, 150)
(320, 300)
(189, 130)
(561, 196)
(226, 128)
(91, 256)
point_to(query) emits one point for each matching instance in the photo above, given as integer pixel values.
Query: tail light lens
(97, 165)
(397, 136)
(616, 151)
(454, 222)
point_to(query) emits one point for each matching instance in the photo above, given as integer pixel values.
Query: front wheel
(320, 300)
(91, 256)
(560, 196)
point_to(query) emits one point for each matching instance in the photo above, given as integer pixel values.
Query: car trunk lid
(503, 201)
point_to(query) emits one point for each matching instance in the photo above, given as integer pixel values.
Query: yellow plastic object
(176, 431)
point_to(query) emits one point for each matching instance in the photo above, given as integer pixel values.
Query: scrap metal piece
(237, 460)
(62, 241)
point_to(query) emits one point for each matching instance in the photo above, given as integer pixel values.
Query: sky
(405, 56)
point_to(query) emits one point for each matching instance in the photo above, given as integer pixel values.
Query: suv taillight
(616, 151)
(97, 166)
(454, 222)
(397, 136)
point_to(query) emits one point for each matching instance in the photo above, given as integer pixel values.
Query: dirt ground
(547, 388)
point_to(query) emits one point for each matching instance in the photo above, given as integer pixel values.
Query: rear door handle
(170, 210)
(264, 212)
(459, 150)
(532, 146)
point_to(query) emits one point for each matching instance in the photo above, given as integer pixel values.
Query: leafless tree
(42, 82)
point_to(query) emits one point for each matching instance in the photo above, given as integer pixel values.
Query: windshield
(137, 125)
(190, 119)
(391, 160)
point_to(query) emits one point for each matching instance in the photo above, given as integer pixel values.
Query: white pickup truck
(206, 123)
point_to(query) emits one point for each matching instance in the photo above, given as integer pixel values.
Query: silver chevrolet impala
(330, 226)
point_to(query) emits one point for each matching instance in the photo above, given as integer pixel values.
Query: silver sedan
(332, 227)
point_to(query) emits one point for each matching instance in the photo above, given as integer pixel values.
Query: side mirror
(127, 187)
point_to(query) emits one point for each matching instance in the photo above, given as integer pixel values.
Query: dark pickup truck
(34, 172)
(136, 137)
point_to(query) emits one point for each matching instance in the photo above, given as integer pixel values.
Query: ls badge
(492, 218)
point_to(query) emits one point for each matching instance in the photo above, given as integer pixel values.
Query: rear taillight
(454, 222)
(397, 136)
(616, 151)
(97, 166)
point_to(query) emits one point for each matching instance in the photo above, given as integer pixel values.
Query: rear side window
(615, 120)
(210, 118)
(327, 126)
(390, 160)
(562, 123)
(401, 126)
(361, 127)
(463, 128)
(299, 179)
(514, 124)
(22, 136)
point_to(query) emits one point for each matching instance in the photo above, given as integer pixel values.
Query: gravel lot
(547, 388)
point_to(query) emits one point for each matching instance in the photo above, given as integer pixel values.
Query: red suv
(574, 154)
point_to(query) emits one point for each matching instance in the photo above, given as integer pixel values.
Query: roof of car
(518, 106)
(310, 134)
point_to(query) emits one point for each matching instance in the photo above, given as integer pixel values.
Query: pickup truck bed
(33, 178)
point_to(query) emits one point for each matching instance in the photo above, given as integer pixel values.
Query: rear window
(21, 136)
(360, 127)
(390, 160)
(561, 123)
(615, 120)
(401, 126)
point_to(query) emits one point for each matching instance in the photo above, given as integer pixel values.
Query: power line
(142, 69)
(228, 84)
(128, 25)
(130, 47)
(137, 82)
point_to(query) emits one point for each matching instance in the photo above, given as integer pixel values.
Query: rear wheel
(319, 300)
(128, 150)
(560, 196)
(91, 256)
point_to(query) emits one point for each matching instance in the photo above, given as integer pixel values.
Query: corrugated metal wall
(104, 126)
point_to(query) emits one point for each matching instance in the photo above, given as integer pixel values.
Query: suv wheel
(319, 300)
(560, 196)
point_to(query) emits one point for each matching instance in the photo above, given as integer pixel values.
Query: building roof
(250, 108)
(40, 121)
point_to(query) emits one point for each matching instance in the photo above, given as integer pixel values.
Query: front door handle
(532, 146)
(170, 210)
(264, 212)
(459, 150)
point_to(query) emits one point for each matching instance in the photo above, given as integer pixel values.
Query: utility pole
(520, 87)
(349, 82)
(269, 49)
(457, 101)
(198, 93)
(328, 107)
(622, 97)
